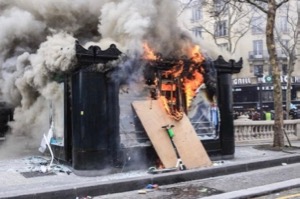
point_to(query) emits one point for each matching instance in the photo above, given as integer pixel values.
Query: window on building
(258, 48)
(282, 24)
(270, 70)
(258, 70)
(223, 46)
(197, 31)
(247, 94)
(284, 46)
(284, 8)
(261, 4)
(267, 96)
(221, 28)
(257, 25)
(297, 95)
(283, 95)
(196, 13)
(219, 6)
(284, 69)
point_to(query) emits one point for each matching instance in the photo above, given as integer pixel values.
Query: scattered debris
(152, 186)
(202, 190)
(39, 164)
(36, 160)
(143, 191)
(46, 143)
(86, 197)
(218, 163)
(44, 169)
(148, 188)
(46, 139)
(61, 169)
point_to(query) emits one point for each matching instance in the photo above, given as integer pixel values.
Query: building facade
(239, 31)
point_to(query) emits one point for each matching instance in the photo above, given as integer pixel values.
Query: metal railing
(264, 54)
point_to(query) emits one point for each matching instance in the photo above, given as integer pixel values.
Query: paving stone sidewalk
(26, 177)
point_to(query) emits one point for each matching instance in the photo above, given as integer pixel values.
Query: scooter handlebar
(168, 126)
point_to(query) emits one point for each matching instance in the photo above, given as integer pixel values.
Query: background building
(238, 30)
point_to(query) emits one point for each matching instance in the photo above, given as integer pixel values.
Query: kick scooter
(179, 163)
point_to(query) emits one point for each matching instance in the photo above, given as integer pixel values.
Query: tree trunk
(278, 140)
(288, 95)
(289, 86)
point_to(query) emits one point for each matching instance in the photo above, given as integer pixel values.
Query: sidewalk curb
(102, 188)
(258, 191)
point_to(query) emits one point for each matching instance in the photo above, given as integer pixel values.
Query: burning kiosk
(98, 120)
(179, 82)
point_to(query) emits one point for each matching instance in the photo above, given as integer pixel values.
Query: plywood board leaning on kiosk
(153, 117)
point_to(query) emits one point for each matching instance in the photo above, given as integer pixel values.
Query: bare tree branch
(185, 7)
(281, 3)
(254, 3)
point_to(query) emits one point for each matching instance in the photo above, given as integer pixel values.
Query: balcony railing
(256, 55)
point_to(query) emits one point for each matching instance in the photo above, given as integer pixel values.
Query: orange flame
(165, 104)
(196, 55)
(168, 87)
(176, 70)
(148, 52)
(191, 85)
(190, 79)
(176, 114)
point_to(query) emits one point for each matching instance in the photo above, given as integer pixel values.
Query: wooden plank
(153, 116)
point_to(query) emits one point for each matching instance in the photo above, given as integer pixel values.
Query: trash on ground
(203, 190)
(148, 188)
(143, 191)
(218, 163)
(152, 186)
(41, 164)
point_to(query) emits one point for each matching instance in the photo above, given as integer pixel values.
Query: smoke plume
(37, 43)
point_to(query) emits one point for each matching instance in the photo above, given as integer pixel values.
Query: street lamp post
(259, 81)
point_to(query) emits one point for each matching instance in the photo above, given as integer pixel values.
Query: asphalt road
(213, 186)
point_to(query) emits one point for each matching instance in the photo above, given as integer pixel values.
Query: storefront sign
(241, 81)
(237, 89)
(264, 79)
(283, 79)
(267, 88)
